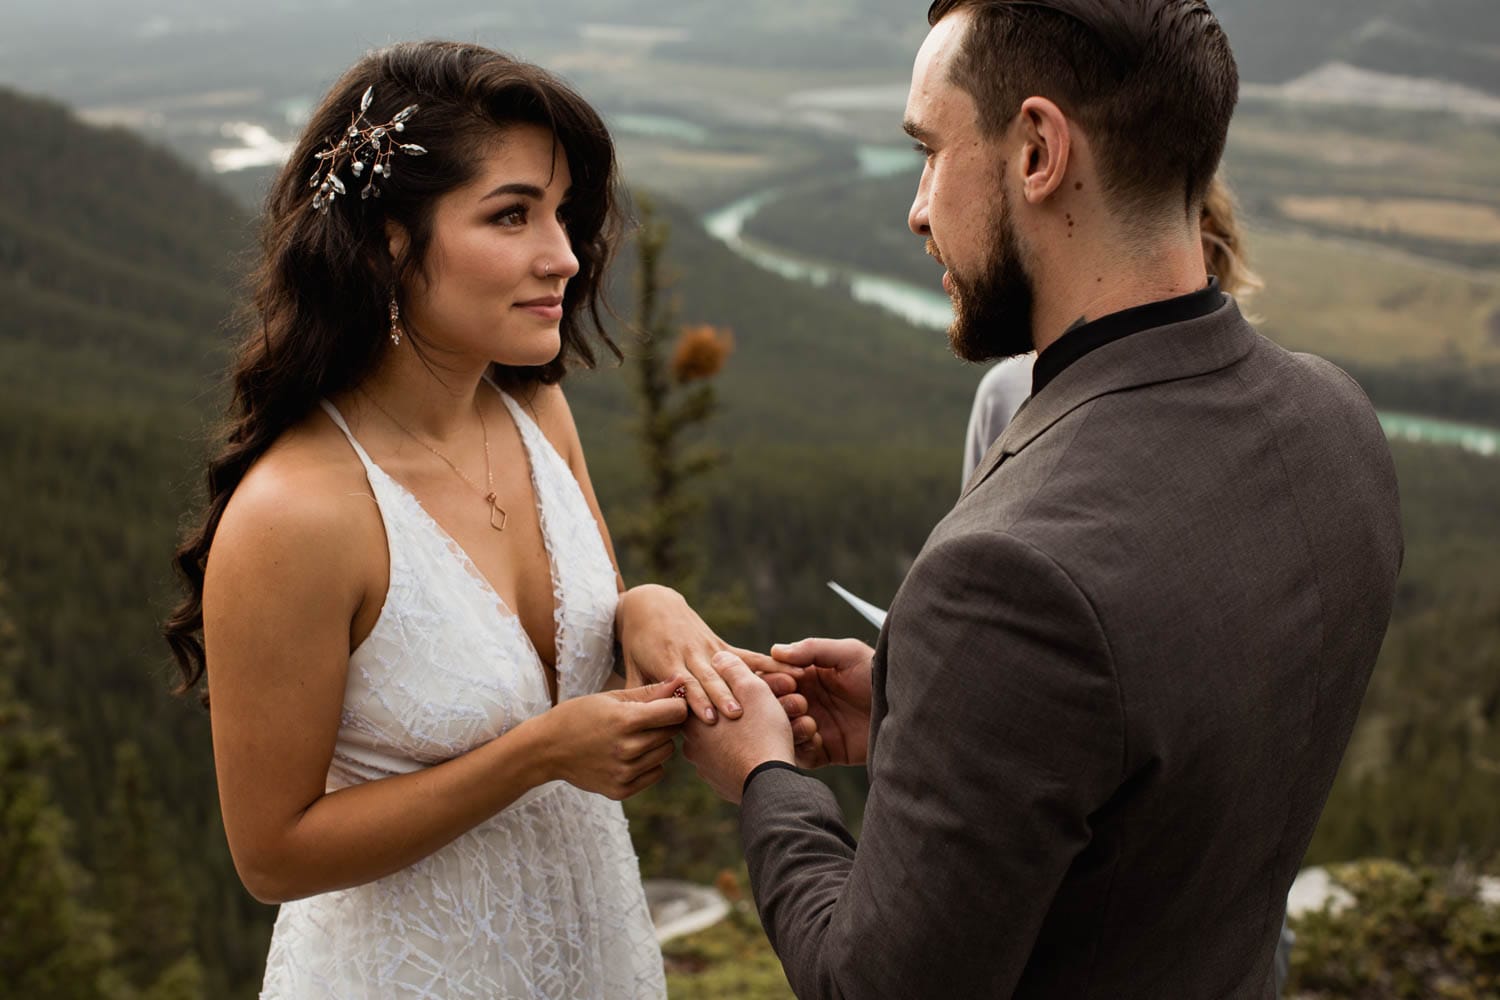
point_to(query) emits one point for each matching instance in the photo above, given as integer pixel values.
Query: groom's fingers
(810, 753)
(741, 680)
(836, 653)
(804, 731)
(780, 684)
(794, 704)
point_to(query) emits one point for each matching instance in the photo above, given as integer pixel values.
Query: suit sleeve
(1004, 732)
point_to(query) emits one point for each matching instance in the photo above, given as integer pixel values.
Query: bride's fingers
(714, 687)
(634, 749)
(759, 662)
(654, 758)
(768, 667)
(698, 702)
(641, 783)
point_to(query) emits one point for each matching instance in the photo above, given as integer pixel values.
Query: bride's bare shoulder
(307, 499)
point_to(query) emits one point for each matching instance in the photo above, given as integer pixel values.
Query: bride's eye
(515, 215)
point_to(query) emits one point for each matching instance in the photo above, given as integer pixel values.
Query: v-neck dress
(542, 900)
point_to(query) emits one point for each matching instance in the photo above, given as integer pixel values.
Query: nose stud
(546, 269)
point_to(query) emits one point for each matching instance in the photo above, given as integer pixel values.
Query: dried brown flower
(700, 353)
(728, 884)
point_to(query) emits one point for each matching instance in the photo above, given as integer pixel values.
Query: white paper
(872, 614)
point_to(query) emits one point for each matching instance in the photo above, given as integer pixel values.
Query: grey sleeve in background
(1000, 394)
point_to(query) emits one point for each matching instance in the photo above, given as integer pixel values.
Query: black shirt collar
(1082, 339)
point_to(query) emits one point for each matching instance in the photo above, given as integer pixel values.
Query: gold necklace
(489, 495)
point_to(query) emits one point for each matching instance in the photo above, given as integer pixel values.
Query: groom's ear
(1047, 148)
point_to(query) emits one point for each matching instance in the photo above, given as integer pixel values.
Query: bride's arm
(284, 582)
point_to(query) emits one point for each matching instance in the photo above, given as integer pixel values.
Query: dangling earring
(395, 321)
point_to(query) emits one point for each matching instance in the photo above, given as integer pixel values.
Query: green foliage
(52, 947)
(1422, 775)
(182, 980)
(1417, 933)
(729, 961)
(140, 883)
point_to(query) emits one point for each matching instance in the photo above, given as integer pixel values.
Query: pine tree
(51, 946)
(140, 886)
(680, 827)
(674, 369)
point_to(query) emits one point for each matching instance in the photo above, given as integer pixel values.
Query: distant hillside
(115, 264)
(1456, 40)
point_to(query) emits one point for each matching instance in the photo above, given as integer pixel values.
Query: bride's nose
(556, 259)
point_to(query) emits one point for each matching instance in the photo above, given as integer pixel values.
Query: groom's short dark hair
(1153, 83)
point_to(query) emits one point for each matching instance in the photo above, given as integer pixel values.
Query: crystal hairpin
(365, 146)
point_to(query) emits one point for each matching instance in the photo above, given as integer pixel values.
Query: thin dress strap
(338, 419)
(532, 436)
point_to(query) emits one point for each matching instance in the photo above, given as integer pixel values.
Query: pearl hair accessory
(364, 146)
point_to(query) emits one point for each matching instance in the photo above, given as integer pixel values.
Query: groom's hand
(833, 681)
(726, 753)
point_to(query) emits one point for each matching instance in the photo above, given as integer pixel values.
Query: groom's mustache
(933, 252)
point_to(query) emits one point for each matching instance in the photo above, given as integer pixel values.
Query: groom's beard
(992, 311)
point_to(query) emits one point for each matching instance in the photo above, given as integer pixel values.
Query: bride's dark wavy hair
(318, 317)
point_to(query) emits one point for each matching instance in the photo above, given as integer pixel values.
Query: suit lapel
(1165, 354)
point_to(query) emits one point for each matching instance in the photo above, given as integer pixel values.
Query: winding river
(929, 307)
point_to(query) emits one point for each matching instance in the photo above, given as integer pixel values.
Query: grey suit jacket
(1111, 695)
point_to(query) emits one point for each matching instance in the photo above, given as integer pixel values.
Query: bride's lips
(548, 307)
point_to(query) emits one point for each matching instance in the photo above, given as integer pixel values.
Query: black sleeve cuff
(769, 765)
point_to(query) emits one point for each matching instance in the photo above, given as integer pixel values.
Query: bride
(402, 593)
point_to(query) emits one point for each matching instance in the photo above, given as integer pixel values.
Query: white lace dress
(545, 898)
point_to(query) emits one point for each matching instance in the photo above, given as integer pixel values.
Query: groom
(1113, 691)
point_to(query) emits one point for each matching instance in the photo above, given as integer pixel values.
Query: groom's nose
(916, 219)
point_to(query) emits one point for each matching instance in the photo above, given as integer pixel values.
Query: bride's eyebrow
(525, 190)
(531, 191)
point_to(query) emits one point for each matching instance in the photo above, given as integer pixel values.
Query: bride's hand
(662, 637)
(615, 743)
